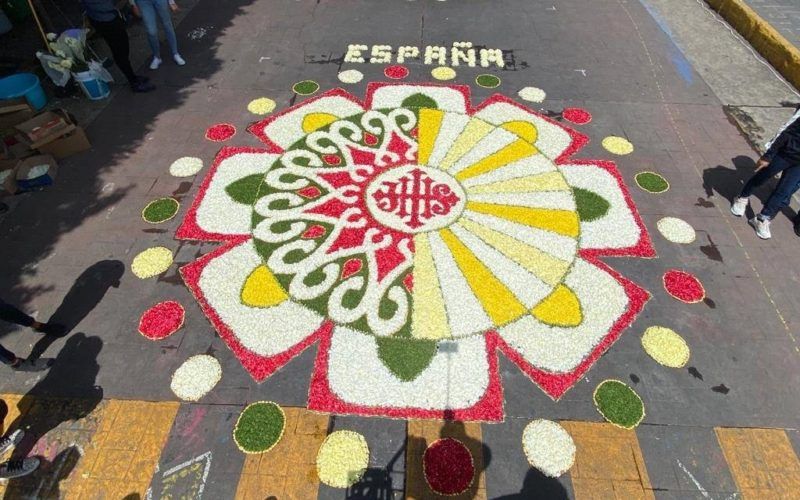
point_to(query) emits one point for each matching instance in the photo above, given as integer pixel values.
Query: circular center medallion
(415, 199)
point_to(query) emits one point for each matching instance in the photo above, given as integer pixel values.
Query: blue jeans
(788, 184)
(151, 9)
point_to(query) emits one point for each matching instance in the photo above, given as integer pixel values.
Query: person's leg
(11, 314)
(777, 165)
(148, 10)
(116, 36)
(780, 197)
(7, 357)
(162, 7)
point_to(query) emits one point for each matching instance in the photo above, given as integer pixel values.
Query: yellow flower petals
(617, 145)
(261, 106)
(666, 346)
(342, 459)
(151, 262)
(443, 73)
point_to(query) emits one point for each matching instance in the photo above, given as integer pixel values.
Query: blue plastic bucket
(23, 85)
(93, 88)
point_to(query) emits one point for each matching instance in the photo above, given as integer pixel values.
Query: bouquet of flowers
(69, 55)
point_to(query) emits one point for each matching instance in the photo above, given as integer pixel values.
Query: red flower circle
(448, 467)
(161, 320)
(396, 72)
(684, 286)
(577, 116)
(220, 132)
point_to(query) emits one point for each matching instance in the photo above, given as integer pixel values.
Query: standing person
(108, 22)
(11, 314)
(782, 157)
(150, 10)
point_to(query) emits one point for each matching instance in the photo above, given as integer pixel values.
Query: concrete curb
(776, 49)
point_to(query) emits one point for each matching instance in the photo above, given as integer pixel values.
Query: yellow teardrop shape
(526, 130)
(560, 308)
(315, 121)
(261, 289)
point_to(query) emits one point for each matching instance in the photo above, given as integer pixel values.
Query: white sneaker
(739, 206)
(11, 440)
(156, 63)
(18, 468)
(762, 227)
(178, 59)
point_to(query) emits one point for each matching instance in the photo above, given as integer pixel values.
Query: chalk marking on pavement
(581, 71)
(695, 481)
(700, 174)
(205, 456)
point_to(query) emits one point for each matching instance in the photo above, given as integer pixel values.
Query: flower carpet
(414, 235)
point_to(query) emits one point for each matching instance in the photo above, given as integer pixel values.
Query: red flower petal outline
(683, 286)
(396, 72)
(578, 116)
(162, 320)
(448, 467)
(220, 132)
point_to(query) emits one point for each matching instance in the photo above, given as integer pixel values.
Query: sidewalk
(783, 15)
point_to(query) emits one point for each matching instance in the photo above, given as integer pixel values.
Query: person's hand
(761, 163)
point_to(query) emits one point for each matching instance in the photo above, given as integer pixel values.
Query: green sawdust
(406, 357)
(419, 101)
(591, 206)
(652, 182)
(488, 81)
(619, 404)
(306, 87)
(160, 210)
(245, 190)
(260, 427)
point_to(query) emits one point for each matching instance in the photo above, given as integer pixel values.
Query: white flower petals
(350, 76)
(186, 166)
(196, 377)
(532, 94)
(548, 447)
(676, 230)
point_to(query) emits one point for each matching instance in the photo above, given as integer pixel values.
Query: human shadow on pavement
(537, 486)
(377, 483)
(66, 394)
(728, 183)
(86, 293)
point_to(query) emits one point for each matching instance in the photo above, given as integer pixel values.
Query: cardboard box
(13, 112)
(67, 145)
(36, 171)
(45, 127)
(8, 178)
(16, 148)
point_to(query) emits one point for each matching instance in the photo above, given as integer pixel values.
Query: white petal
(393, 95)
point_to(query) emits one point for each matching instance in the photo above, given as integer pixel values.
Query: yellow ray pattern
(472, 133)
(560, 308)
(261, 289)
(526, 130)
(544, 266)
(563, 222)
(428, 316)
(500, 304)
(430, 122)
(547, 181)
(515, 151)
(315, 121)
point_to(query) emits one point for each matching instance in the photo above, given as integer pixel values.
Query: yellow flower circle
(342, 459)
(617, 145)
(261, 106)
(443, 73)
(666, 346)
(151, 262)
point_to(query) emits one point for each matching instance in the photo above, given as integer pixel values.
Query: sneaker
(155, 63)
(178, 59)
(11, 440)
(739, 206)
(796, 226)
(18, 468)
(142, 86)
(762, 227)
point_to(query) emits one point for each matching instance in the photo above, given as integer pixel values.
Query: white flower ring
(413, 235)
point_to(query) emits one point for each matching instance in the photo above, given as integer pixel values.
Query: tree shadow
(86, 293)
(728, 183)
(67, 393)
(537, 486)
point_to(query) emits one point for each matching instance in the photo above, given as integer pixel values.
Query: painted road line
(608, 462)
(421, 433)
(289, 469)
(762, 461)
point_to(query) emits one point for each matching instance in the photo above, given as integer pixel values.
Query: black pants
(115, 34)
(12, 315)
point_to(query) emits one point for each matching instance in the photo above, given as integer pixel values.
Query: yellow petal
(560, 308)
(261, 289)
(315, 121)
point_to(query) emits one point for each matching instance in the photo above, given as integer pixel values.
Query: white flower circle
(532, 94)
(186, 166)
(548, 447)
(676, 230)
(196, 377)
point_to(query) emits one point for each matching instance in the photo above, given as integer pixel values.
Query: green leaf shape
(488, 81)
(245, 190)
(160, 210)
(652, 182)
(419, 100)
(591, 206)
(406, 357)
(619, 404)
(260, 427)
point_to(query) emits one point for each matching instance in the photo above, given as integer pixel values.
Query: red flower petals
(578, 116)
(220, 132)
(684, 286)
(448, 467)
(396, 72)
(162, 320)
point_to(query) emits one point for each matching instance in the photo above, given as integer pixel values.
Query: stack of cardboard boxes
(31, 143)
